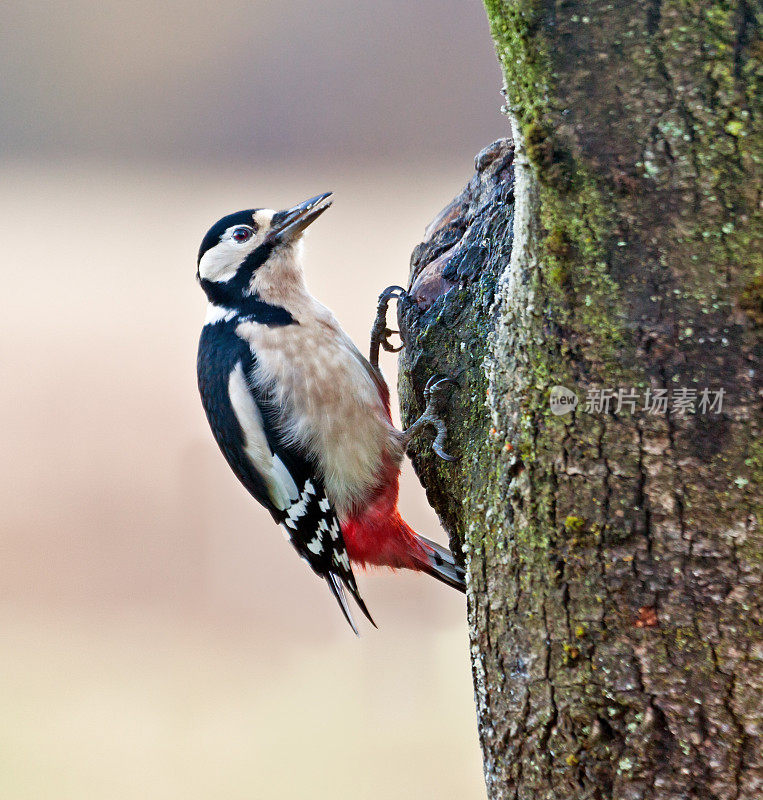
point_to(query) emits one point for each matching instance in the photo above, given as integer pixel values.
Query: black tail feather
(440, 564)
(338, 592)
(337, 585)
(361, 605)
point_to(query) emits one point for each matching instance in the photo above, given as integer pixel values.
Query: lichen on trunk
(614, 554)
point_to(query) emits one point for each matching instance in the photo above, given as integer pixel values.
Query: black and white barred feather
(313, 528)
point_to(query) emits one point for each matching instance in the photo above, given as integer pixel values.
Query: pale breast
(330, 403)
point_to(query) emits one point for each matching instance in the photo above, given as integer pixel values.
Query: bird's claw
(385, 343)
(433, 397)
(434, 386)
(380, 333)
(392, 293)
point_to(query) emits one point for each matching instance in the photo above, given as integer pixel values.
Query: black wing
(282, 478)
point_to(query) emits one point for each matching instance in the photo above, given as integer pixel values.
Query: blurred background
(158, 637)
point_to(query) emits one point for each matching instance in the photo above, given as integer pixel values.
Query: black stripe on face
(246, 306)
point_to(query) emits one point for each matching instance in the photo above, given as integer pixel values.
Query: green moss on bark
(638, 127)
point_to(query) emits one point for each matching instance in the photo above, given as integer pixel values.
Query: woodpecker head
(253, 252)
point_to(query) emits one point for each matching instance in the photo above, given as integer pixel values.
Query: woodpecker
(302, 418)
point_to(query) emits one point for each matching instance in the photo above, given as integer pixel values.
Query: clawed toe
(437, 447)
(433, 414)
(436, 384)
(380, 333)
(385, 343)
(392, 293)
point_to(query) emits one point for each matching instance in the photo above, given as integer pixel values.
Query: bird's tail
(385, 539)
(336, 584)
(440, 563)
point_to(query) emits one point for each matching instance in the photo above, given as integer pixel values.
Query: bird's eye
(241, 235)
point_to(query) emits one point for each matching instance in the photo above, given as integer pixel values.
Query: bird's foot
(433, 415)
(380, 333)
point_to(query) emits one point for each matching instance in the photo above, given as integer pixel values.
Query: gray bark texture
(614, 555)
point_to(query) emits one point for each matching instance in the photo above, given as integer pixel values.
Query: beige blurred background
(158, 637)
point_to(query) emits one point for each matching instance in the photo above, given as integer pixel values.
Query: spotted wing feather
(314, 530)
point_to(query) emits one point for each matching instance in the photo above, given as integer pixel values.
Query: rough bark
(614, 557)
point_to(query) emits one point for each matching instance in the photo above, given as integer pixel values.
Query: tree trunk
(613, 552)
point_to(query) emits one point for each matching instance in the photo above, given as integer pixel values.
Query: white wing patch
(298, 509)
(280, 485)
(315, 545)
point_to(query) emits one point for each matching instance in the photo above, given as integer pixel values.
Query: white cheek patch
(280, 485)
(221, 262)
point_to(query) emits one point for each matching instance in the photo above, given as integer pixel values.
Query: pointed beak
(289, 224)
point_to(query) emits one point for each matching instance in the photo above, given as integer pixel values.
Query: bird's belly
(330, 406)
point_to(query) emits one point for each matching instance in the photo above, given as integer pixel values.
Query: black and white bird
(302, 418)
